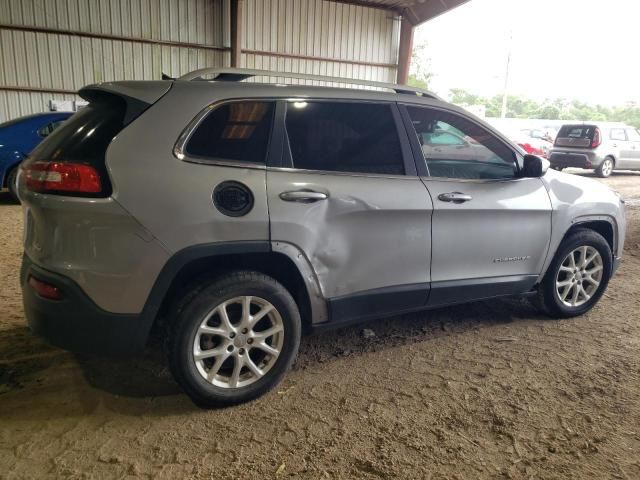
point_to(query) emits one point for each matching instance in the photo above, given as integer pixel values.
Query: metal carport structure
(49, 49)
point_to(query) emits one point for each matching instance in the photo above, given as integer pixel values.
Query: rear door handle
(303, 196)
(454, 197)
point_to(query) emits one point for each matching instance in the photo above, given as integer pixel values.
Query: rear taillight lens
(597, 138)
(530, 149)
(65, 177)
(526, 147)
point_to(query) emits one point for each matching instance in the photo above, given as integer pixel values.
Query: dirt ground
(487, 390)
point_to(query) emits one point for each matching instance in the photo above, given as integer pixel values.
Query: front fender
(577, 200)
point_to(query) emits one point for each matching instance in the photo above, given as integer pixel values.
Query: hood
(567, 188)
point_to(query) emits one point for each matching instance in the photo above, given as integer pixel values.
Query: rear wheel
(577, 276)
(605, 168)
(11, 183)
(233, 339)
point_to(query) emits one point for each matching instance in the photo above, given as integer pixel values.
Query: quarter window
(236, 131)
(344, 137)
(454, 147)
(618, 134)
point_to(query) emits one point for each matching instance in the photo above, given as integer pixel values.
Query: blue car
(19, 137)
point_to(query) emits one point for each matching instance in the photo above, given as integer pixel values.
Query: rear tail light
(54, 177)
(45, 290)
(597, 138)
(530, 149)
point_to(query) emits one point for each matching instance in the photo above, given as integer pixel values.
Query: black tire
(548, 300)
(11, 183)
(556, 167)
(188, 317)
(606, 167)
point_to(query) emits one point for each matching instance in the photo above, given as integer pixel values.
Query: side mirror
(534, 166)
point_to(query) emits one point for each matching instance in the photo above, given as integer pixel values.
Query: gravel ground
(485, 390)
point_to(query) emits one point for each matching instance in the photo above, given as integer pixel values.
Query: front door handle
(303, 196)
(455, 197)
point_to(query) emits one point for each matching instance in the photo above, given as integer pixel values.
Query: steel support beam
(236, 33)
(404, 52)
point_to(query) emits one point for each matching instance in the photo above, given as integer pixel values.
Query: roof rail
(239, 74)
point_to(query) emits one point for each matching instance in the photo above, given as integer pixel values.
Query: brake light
(597, 139)
(530, 149)
(62, 177)
(45, 290)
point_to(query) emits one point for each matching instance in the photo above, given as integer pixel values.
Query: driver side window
(454, 147)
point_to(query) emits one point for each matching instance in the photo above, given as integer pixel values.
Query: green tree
(552, 109)
(548, 111)
(420, 70)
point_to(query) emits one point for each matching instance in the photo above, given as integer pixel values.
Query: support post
(404, 52)
(236, 33)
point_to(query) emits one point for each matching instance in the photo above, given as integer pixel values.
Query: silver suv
(604, 147)
(240, 215)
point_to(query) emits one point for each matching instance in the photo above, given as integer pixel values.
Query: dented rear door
(346, 195)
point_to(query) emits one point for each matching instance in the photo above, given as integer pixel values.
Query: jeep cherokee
(241, 215)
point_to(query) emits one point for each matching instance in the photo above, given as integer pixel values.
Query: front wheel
(11, 183)
(577, 277)
(233, 339)
(605, 168)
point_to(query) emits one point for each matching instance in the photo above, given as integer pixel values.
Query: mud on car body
(242, 215)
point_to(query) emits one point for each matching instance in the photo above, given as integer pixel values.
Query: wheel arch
(9, 166)
(602, 224)
(196, 263)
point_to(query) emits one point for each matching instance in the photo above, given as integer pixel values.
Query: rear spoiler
(138, 96)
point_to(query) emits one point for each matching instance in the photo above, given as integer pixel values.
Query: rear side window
(618, 134)
(344, 137)
(236, 131)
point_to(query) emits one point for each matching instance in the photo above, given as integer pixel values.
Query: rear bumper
(573, 159)
(75, 322)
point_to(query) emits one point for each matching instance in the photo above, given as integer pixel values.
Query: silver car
(604, 147)
(233, 217)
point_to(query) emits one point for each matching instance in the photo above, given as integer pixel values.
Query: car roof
(207, 92)
(597, 124)
(36, 116)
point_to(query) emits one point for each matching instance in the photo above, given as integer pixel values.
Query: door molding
(399, 299)
(451, 292)
(378, 302)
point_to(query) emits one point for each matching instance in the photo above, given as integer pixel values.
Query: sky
(579, 49)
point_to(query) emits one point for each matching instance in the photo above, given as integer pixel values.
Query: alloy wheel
(579, 276)
(238, 342)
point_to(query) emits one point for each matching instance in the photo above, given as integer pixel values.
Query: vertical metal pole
(503, 113)
(236, 33)
(404, 52)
